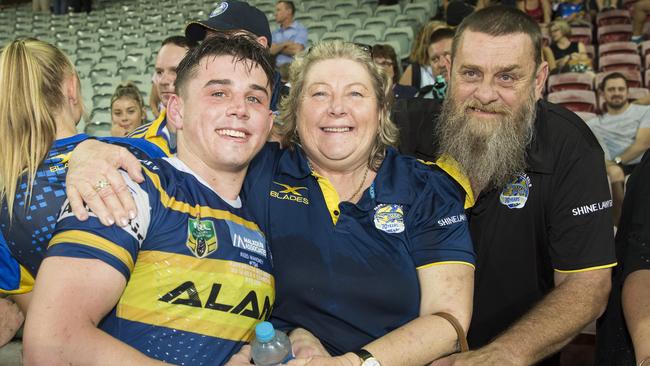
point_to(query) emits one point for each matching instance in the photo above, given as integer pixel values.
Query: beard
(489, 150)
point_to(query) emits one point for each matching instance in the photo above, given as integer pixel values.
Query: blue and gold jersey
(23, 241)
(197, 267)
(157, 133)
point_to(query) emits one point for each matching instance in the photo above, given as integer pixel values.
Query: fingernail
(110, 221)
(124, 222)
(131, 215)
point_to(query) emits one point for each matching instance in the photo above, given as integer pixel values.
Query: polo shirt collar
(539, 154)
(388, 184)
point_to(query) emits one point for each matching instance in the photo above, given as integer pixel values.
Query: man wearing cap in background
(237, 17)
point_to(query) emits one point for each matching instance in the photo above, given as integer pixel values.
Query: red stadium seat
(618, 48)
(628, 4)
(636, 93)
(614, 33)
(570, 81)
(614, 16)
(581, 34)
(619, 62)
(575, 100)
(645, 48)
(633, 78)
(591, 50)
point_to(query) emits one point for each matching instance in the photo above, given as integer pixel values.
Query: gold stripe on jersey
(95, 241)
(197, 210)
(151, 134)
(446, 262)
(213, 297)
(451, 167)
(605, 266)
(26, 283)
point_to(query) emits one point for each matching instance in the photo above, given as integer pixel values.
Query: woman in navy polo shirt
(369, 246)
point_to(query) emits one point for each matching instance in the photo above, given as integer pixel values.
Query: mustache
(498, 108)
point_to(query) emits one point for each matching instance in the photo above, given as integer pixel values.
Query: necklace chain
(365, 175)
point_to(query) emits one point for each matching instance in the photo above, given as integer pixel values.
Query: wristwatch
(618, 161)
(367, 359)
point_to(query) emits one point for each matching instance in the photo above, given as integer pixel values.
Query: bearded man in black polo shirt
(541, 224)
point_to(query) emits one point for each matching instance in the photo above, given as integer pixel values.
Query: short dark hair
(243, 48)
(441, 34)
(180, 41)
(499, 20)
(290, 4)
(614, 75)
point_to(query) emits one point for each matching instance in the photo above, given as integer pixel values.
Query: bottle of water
(270, 347)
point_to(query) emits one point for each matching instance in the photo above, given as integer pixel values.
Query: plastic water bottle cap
(264, 331)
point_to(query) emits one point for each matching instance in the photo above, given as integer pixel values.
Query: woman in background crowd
(127, 110)
(564, 55)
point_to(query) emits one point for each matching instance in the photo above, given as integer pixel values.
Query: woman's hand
(241, 358)
(305, 344)
(93, 177)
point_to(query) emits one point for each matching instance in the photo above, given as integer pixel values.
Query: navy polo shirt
(555, 216)
(348, 272)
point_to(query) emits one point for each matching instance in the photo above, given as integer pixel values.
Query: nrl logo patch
(201, 237)
(389, 218)
(515, 193)
(219, 9)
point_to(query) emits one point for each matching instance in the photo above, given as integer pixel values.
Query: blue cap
(264, 332)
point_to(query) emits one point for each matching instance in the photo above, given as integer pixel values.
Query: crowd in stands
(126, 55)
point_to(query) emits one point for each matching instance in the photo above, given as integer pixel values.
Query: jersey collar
(539, 154)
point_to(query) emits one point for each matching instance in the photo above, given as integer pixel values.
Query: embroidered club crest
(389, 218)
(219, 9)
(201, 237)
(515, 193)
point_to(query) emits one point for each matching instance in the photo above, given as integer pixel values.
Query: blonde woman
(419, 74)
(39, 111)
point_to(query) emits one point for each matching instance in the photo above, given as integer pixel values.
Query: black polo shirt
(614, 345)
(553, 217)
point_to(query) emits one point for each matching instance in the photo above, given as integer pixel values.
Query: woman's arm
(406, 76)
(636, 307)
(550, 59)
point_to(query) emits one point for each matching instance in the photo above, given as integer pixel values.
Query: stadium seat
(422, 10)
(614, 33)
(328, 36)
(404, 20)
(332, 15)
(401, 53)
(575, 100)
(366, 36)
(402, 35)
(581, 34)
(645, 48)
(628, 4)
(636, 93)
(380, 23)
(361, 13)
(305, 17)
(614, 48)
(619, 62)
(614, 16)
(99, 129)
(316, 7)
(320, 28)
(345, 6)
(570, 81)
(388, 10)
(347, 25)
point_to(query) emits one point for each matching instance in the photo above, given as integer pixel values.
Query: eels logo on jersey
(289, 193)
(515, 193)
(219, 9)
(201, 237)
(389, 218)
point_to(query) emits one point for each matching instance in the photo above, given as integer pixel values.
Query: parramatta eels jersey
(23, 242)
(198, 269)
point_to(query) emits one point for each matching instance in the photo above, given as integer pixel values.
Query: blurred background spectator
(127, 110)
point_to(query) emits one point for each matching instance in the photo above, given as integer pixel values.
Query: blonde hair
(419, 48)
(31, 77)
(387, 134)
(563, 26)
(129, 90)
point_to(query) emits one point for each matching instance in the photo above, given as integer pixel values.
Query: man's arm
(577, 299)
(71, 297)
(277, 48)
(639, 146)
(636, 308)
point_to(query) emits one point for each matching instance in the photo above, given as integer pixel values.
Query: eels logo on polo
(389, 218)
(201, 237)
(219, 9)
(59, 161)
(515, 193)
(290, 193)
